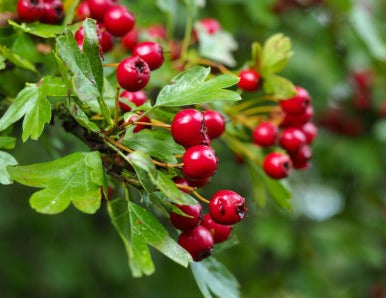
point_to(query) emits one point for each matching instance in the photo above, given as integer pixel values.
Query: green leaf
(70, 12)
(190, 87)
(16, 59)
(258, 188)
(7, 142)
(213, 277)
(76, 178)
(2, 64)
(81, 117)
(276, 53)
(279, 87)
(6, 159)
(170, 8)
(54, 86)
(39, 29)
(257, 52)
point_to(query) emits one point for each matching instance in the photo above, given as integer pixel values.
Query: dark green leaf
(2, 64)
(81, 117)
(7, 142)
(16, 59)
(279, 87)
(6, 159)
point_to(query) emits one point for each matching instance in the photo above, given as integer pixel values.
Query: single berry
(53, 11)
(130, 40)
(188, 128)
(265, 134)
(227, 207)
(211, 25)
(291, 139)
(199, 162)
(133, 73)
(184, 223)
(198, 242)
(310, 131)
(277, 165)
(298, 103)
(98, 8)
(83, 11)
(215, 123)
(175, 50)
(138, 118)
(30, 10)
(199, 182)
(118, 20)
(220, 233)
(156, 32)
(181, 181)
(138, 98)
(301, 157)
(151, 52)
(106, 40)
(249, 80)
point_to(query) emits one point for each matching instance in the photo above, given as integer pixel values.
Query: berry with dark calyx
(98, 8)
(310, 131)
(151, 52)
(291, 139)
(227, 207)
(265, 134)
(181, 181)
(188, 128)
(198, 242)
(215, 123)
(133, 73)
(220, 233)
(298, 103)
(138, 98)
(118, 20)
(130, 40)
(200, 162)
(156, 32)
(301, 157)
(184, 223)
(83, 11)
(199, 182)
(249, 80)
(277, 165)
(30, 10)
(138, 118)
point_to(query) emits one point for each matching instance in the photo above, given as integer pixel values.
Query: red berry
(130, 40)
(188, 128)
(175, 50)
(30, 10)
(211, 25)
(198, 242)
(249, 80)
(156, 32)
(138, 118)
(151, 52)
(277, 165)
(310, 131)
(296, 120)
(118, 20)
(98, 8)
(298, 103)
(199, 182)
(301, 157)
(106, 41)
(215, 123)
(184, 223)
(181, 181)
(83, 11)
(291, 139)
(219, 232)
(265, 134)
(227, 207)
(199, 162)
(133, 73)
(138, 98)
(53, 11)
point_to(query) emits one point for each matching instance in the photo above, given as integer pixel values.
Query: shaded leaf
(7, 142)
(279, 87)
(16, 59)
(6, 159)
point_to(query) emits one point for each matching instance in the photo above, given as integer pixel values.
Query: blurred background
(332, 245)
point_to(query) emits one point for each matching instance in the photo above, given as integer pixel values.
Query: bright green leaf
(276, 53)
(7, 142)
(16, 59)
(39, 29)
(54, 86)
(6, 159)
(279, 87)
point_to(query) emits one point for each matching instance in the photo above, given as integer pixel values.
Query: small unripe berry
(151, 52)
(298, 103)
(301, 157)
(220, 233)
(98, 8)
(249, 80)
(310, 131)
(30, 10)
(200, 162)
(133, 73)
(277, 165)
(184, 223)
(265, 134)
(118, 20)
(138, 118)
(198, 242)
(227, 207)
(83, 11)
(215, 123)
(138, 98)
(130, 40)
(291, 139)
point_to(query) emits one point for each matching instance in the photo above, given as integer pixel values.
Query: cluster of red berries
(46, 11)
(200, 233)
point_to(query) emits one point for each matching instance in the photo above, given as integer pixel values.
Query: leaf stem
(163, 125)
(110, 65)
(207, 62)
(188, 29)
(259, 110)
(116, 106)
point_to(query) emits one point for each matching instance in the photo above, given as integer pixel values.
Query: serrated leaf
(54, 86)
(76, 178)
(40, 29)
(7, 142)
(190, 87)
(81, 117)
(279, 87)
(16, 59)
(276, 53)
(213, 277)
(6, 159)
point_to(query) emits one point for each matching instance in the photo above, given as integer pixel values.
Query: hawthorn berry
(277, 165)
(156, 32)
(133, 73)
(215, 123)
(199, 182)
(265, 134)
(211, 25)
(249, 80)
(138, 98)
(188, 128)
(220, 233)
(301, 157)
(184, 223)
(105, 39)
(298, 103)
(30, 10)
(98, 8)
(138, 118)
(198, 242)
(151, 52)
(310, 131)
(296, 120)
(200, 162)
(181, 181)
(83, 11)
(118, 20)
(175, 50)
(53, 11)
(130, 40)
(227, 207)
(291, 139)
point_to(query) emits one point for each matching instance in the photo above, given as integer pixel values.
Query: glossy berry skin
(277, 165)
(200, 162)
(249, 80)
(188, 128)
(118, 20)
(133, 73)
(98, 8)
(185, 223)
(265, 134)
(83, 11)
(211, 26)
(296, 120)
(30, 10)
(220, 233)
(138, 98)
(198, 242)
(291, 139)
(138, 118)
(227, 207)
(310, 131)
(181, 181)
(301, 157)
(151, 52)
(106, 40)
(130, 40)
(215, 123)
(298, 103)
(53, 12)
